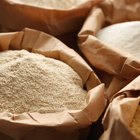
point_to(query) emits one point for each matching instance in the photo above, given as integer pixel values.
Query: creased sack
(99, 54)
(67, 125)
(15, 16)
(120, 113)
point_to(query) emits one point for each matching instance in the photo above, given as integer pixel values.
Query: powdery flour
(124, 37)
(135, 124)
(31, 82)
(53, 4)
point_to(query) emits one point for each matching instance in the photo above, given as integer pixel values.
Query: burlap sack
(15, 16)
(119, 67)
(120, 113)
(67, 125)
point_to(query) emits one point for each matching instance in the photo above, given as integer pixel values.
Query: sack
(115, 69)
(120, 113)
(67, 125)
(53, 21)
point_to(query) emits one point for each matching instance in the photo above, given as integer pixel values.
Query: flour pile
(31, 82)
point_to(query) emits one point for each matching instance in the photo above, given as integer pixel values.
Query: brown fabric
(52, 21)
(120, 113)
(65, 125)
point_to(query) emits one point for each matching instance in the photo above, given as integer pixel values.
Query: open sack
(51, 20)
(120, 113)
(116, 69)
(67, 125)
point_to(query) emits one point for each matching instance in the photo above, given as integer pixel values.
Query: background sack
(120, 113)
(109, 63)
(15, 17)
(65, 125)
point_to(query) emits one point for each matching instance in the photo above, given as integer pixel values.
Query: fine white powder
(124, 37)
(135, 124)
(31, 82)
(53, 4)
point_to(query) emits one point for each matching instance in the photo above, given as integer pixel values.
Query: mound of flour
(135, 124)
(124, 37)
(30, 82)
(53, 4)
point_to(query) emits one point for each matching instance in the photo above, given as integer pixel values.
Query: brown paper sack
(120, 113)
(67, 125)
(15, 16)
(120, 67)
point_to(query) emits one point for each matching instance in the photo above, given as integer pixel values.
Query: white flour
(124, 37)
(135, 124)
(53, 4)
(33, 83)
